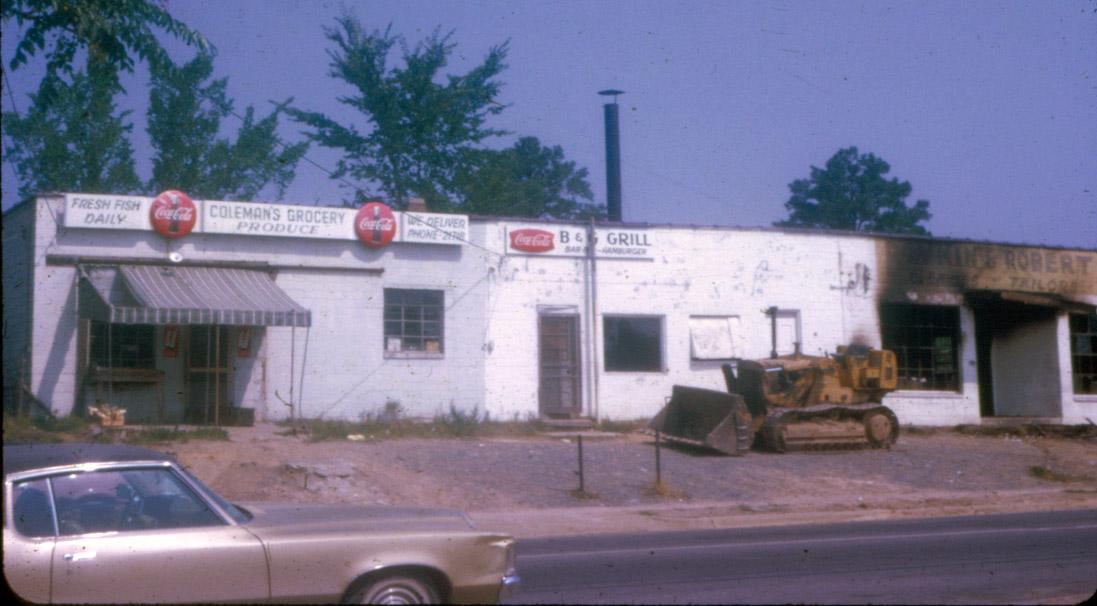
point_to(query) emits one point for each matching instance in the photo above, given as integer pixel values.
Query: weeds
(664, 490)
(390, 423)
(1050, 475)
(156, 435)
(622, 426)
(583, 495)
(43, 430)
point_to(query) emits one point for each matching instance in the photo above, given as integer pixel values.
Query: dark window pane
(925, 340)
(1083, 352)
(32, 511)
(633, 343)
(122, 345)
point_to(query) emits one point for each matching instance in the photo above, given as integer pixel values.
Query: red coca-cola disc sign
(375, 225)
(532, 240)
(173, 214)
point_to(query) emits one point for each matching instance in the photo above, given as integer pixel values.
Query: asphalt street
(990, 559)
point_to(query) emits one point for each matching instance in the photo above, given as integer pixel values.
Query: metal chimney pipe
(613, 156)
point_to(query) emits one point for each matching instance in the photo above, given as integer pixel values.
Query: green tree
(852, 193)
(423, 128)
(184, 119)
(527, 180)
(73, 138)
(109, 30)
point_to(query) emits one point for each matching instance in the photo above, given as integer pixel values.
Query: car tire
(395, 589)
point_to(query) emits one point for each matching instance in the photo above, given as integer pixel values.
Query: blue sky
(989, 109)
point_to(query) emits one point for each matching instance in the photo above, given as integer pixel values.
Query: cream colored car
(106, 523)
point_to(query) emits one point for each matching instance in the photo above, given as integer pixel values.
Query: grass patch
(43, 430)
(1030, 430)
(583, 495)
(664, 490)
(156, 435)
(1046, 473)
(622, 426)
(391, 424)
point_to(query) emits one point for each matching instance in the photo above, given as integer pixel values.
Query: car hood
(283, 517)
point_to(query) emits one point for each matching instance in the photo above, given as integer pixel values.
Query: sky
(988, 109)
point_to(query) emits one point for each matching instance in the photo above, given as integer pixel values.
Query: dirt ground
(530, 483)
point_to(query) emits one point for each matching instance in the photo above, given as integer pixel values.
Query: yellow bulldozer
(790, 402)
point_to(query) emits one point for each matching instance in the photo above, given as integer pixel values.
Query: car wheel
(395, 589)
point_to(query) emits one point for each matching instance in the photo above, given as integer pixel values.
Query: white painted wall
(492, 304)
(693, 272)
(340, 369)
(1078, 409)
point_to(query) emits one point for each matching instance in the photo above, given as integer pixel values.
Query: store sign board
(107, 212)
(252, 219)
(910, 269)
(95, 211)
(570, 241)
(431, 228)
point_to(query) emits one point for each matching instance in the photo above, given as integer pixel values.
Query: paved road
(1013, 558)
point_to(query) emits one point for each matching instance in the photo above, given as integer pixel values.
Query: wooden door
(560, 379)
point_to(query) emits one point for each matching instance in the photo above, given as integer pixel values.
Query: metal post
(658, 461)
(593, 265)
(217, 376)
(582, 483)
(772, 313)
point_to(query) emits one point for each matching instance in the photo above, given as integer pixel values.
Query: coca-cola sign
(173, 214)
(532, 240)
(375, 225)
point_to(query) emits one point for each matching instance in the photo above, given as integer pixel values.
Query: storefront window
(925, 339)
(413, 321)
(1083, 352)
(633, 343)
(122, 345)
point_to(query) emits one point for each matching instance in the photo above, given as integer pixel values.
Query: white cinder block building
(217, 312)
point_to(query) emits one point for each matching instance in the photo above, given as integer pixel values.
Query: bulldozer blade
(704, 417)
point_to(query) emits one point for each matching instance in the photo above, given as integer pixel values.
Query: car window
(31, 512)
(128, 499)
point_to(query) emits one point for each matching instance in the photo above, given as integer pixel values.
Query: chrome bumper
(509, 583)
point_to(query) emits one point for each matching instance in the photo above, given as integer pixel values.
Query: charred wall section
(941, 272)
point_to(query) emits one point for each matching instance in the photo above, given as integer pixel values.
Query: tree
(422, 133)
(851, 193)
(73, 138)
(184, 120)
(527, 180)
(109, 30)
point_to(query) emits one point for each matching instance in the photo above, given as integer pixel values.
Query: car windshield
(239, 515)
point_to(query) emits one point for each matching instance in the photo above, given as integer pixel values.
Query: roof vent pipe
(613, 156)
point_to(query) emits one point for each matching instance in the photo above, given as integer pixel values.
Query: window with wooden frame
(1083, 352)
(122, 345)
(926, 342)
(414, 322)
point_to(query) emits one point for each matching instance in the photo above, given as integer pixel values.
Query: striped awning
(160, 294)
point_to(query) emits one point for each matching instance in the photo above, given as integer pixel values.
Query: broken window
(413, 321)
(122, 345)
(926, 341)
(633, 343)
(1083, 352)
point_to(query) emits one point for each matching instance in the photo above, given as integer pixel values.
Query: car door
(29, 541)
(142, 535)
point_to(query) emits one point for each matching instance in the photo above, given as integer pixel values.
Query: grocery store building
(216, 312)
